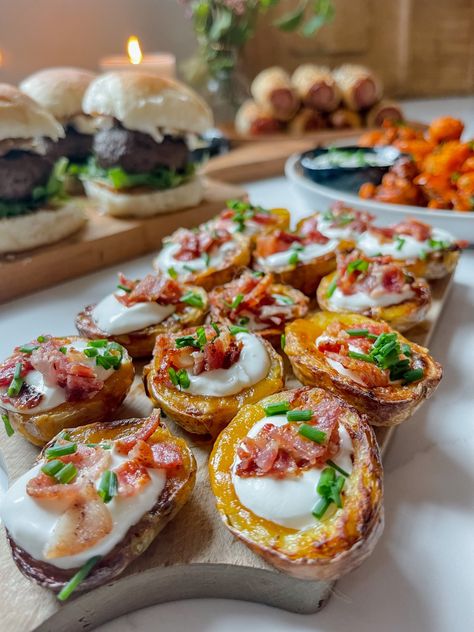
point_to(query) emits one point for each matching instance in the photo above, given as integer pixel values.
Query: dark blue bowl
(349, 178)
(211, 143)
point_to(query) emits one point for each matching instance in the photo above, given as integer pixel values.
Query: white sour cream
(308, 253)
(54, 395)
(361, 300)
(251, 367)
(288, 501)
(31, 521)
(410, 248)
(165, 259)
(326, 228)
(113, 317)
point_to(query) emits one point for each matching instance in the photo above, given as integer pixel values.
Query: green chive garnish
(17, 381)
(63, 350)
(91, 353)
(258, 273)
(299, 415)
(173, 376)
(331, 288)
(282, 341)
(413, 376)
(360, 356)
(186, 341)
(183, 378)
(124, 288)
(27, 349)
(400, 243)
(216, 329)
(41, 339)
(108, 486)
(338, 468)
(98, 343)
(188, 268)
(406, 349)
(320, 508)
(193, 299)
(172, 273)
(237, 300)
(312, 433)
(76, 579)
(359, 264)
(280, 299)
(66, 474)
(277, 408)
(358, 332)
(52, 467)
(236, 329)
(60, 450)
(201, 337)
(293, 258)
(8, 427)
(207, 258)
(244, 320)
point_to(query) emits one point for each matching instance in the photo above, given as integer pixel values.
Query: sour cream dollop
(306, 254)
(362, 300)
(166, 260)
(115, 318)
(407, 247)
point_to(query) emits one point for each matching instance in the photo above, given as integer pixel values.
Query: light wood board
(102, 242)
(195, 555)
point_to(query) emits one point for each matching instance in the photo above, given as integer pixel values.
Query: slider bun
(21, 117)
(144, 102)
(40, 227)
(58, 90)
(144, 204)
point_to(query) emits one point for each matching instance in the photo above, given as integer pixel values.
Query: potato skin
(384, 406)
(43, 426)
(206, 415)
(401, 317)
(177, 491)
(140, 343)
(337, 544)
(436, 265)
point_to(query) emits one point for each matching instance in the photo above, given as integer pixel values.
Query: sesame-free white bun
(21, 117)
(145, 102)
(40, 227)
(141, 204)
(58, 90)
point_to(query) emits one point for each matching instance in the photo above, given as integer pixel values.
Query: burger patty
(75, 146)
(21, 172)
(137, 152)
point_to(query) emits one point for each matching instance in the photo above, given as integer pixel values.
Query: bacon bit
(29, 397)
(152, 288)
(259, 217)
(144, 432)
(220, 353)
(85, 523)
(281, 451)
(383, 273)
(164, 455)
(131, 476)
(277, 241)
(195, 244)
(419, 230)
(89, 462)
(310, 233)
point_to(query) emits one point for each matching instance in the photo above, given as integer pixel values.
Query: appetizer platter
(245, 457)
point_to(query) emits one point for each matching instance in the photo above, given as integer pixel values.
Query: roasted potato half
(98, 446)
(351, 366)
(79, 403)
(436, 265)
(205, 413)
(139, 343)
(334, 536)
(242, 217)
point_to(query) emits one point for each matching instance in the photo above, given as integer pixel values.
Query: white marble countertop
(421, 575)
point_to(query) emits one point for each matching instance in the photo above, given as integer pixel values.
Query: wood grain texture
(194, 556)
(104, 241)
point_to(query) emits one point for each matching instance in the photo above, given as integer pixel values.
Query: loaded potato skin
(372, 392)
(180, 468)
(87, 395)
(333, 544)
(249, 220)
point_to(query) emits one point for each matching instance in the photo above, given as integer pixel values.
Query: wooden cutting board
(194, 556)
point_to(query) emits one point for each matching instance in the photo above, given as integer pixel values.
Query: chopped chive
(27, 349)
(277, 408)
(207, 258)
(360, 356)
(358, 332)
(102, 342)
(193, 299)
(108, 486)
(63, 350)
(90, 352)
(413, 376)
(124, 288)
(64, 435)
(201, 337)
(338, 468)
(406, 349)
(359, 264)
(17, 381)
(76, 579)
(299, 415)
(258, 273)
(186, 341)
(183, 378)
(331, 288)
(236, 329)
(282, 341)
(312, 433)
(216, 329)
(51, 468)
(293, 258)
(400, 243)
(60, 450)
(41, 339)
(280, 299)
(173, 376)
(66, 474)
(244, 320)
(8, 427)
(188, 268)
(172, 273)
(237, 300)
(320, 508)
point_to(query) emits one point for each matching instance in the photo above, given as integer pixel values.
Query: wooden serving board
(194, 556)
(102, 242)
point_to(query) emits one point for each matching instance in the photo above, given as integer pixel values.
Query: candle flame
(133, 49)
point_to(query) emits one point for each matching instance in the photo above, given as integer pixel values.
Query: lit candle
(163, 64)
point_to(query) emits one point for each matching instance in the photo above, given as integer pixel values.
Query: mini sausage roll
(54, 383)
(272, 89)
(204, 256)
(383, 111)
(254, 301)
(371, 366)
(359, 87)
(95, 500)
(343, 118)
(307, 121)
(140, 310)
(299, 260)
(428, 252)
(249, 220)
(254, 120)
(339, 222)
(298, 478)
(202, 376)
(377, 287)
(316, 87)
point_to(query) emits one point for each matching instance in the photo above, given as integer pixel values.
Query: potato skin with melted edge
(384, 406)
(336, 544)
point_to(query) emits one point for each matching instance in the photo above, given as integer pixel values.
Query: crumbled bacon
(157, 288)
(280, 451)
(255, 215)
(7, 369)
(193, 244)
(131, 476)
(164, 455)
(144, 432)
(382, 275)
(277, 241)
(413, 227)
(220, 353)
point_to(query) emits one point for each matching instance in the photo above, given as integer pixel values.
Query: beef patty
(75, 146)
(22, 171)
